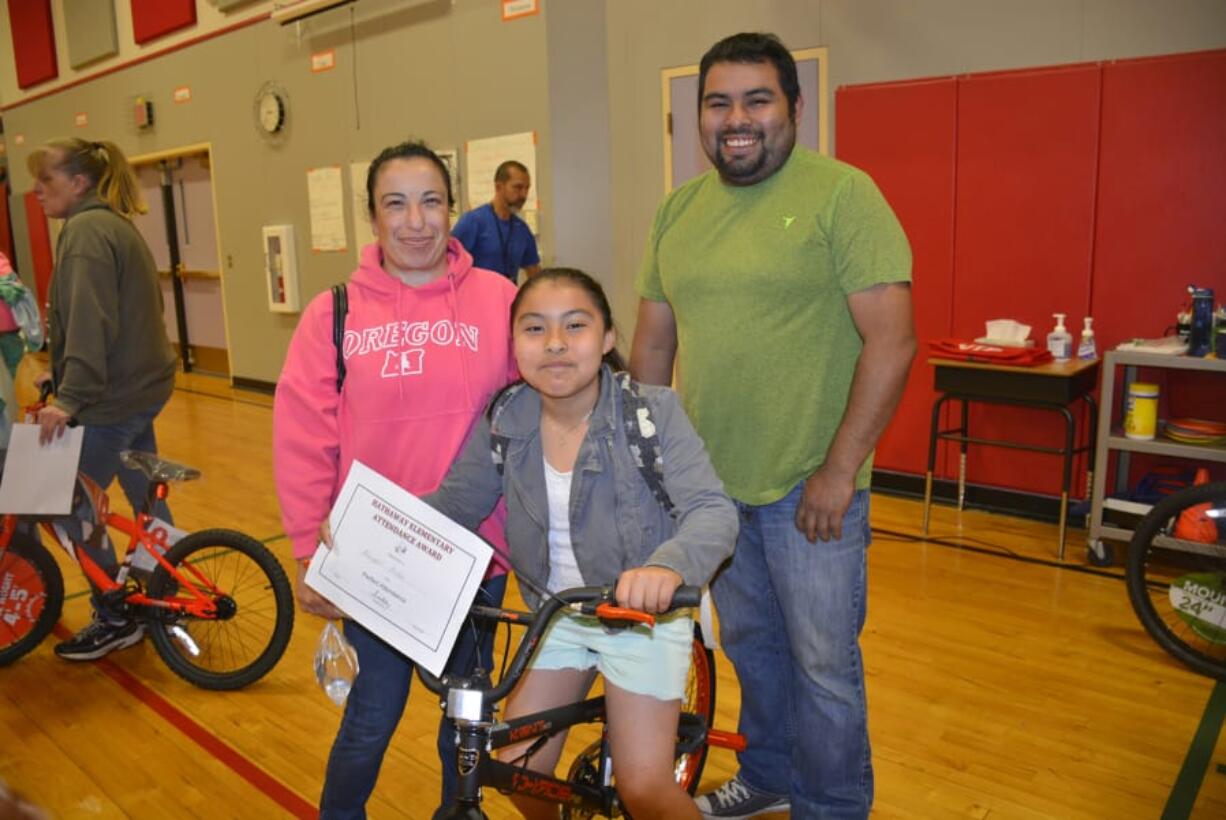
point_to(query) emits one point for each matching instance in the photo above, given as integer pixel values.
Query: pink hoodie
(421, 365)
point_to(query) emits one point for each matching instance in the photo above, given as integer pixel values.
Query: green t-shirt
(757, 278)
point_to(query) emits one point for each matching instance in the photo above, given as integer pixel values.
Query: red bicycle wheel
(31, 597)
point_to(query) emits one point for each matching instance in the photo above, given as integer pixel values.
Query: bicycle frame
(201, 604)
(470, 704)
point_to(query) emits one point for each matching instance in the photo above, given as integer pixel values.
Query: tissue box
(1006, 333)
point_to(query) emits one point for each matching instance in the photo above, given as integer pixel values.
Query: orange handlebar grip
(609, 612)
(726, 740)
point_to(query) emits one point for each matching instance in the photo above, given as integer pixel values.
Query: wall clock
(271, 110)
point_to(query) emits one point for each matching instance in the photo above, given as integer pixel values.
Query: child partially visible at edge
(580, 513)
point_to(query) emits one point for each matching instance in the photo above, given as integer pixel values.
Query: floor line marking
(227, 755)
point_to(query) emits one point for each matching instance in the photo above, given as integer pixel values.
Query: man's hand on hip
(823, 504)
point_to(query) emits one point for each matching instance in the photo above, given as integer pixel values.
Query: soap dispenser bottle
(1087, 349)
(1060, 341)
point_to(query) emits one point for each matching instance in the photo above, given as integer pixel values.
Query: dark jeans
(790, 616)
(376, 703)
(100, 449)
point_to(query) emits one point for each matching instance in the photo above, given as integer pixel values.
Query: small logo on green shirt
(787, 221)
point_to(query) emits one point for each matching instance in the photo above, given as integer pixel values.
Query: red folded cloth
(966, 350)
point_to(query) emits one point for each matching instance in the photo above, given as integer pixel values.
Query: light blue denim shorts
(640, 659)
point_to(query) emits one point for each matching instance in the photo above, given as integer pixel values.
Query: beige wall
(585, 74)
(440, 70)
(868, 41)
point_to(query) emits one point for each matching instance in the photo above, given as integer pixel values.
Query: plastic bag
(336, 664)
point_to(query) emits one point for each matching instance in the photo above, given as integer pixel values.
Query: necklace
(564, 432)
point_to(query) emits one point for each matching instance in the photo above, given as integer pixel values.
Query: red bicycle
(218, 606)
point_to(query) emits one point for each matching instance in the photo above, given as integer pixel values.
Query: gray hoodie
(616, 523)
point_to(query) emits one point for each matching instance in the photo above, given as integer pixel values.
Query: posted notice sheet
(398, 567)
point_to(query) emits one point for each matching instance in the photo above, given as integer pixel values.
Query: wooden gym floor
(1001, 682)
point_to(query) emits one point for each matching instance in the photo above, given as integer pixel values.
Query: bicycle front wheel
(255, 610)
(31, 596)
(1177, 576)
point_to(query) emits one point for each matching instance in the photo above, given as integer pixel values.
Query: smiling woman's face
(412, 219)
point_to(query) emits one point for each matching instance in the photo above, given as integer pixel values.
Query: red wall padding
(916, 175)
(6, 229)
(1098, 188)
(1162, 196)
(40, 245)
(33, 41)
(1027, 158)
(153, 18)
(1162, 210)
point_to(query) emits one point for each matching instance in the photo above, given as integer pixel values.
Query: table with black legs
(1055, 387)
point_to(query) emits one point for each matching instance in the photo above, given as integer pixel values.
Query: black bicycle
(588, 790)
(1177, 576)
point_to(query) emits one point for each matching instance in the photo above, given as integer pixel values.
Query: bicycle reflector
(161, 491)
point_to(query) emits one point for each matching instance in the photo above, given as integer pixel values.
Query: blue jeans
(790, 617)
(376, 703)
(100, 449)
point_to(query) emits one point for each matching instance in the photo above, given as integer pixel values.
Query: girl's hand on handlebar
(51, 423)
(649, 589)
(309, 600)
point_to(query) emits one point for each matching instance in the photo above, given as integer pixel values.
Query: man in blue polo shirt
(494, 234)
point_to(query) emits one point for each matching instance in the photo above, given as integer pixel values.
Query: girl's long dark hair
(593, 289)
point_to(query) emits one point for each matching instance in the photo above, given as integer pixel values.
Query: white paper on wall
(327, 206)
(482, 158)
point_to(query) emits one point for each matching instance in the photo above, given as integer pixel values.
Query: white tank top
(563, 568)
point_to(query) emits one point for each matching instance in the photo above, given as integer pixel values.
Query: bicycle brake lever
(612, 612)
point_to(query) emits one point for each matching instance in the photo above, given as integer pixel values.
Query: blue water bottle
(1201, 338)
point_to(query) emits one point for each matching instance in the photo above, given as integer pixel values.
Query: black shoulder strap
(643, 440)
(641, 436)
(340, 307)
(498, 442)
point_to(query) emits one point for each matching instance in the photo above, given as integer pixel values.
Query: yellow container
(1141, 411)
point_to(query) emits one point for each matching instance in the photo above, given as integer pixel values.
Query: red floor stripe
(229, 757)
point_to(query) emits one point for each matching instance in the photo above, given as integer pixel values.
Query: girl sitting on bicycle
(580, 512)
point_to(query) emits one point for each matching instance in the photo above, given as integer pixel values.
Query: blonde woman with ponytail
(112, 367)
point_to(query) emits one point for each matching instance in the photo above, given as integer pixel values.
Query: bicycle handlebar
(598, 601)
(44, 392)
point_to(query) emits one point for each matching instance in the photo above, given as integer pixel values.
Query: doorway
(202, 319)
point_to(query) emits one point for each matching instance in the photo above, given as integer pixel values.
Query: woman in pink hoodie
(425, 346)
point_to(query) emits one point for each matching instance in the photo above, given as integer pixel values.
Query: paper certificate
(398, 567)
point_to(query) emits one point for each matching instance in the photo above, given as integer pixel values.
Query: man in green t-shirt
(780, 283)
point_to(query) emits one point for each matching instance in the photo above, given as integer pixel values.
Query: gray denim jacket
(615, 522)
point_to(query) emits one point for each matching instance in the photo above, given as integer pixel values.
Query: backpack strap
(641, 436)
(643, 439)
(499, 443)
(340, 307)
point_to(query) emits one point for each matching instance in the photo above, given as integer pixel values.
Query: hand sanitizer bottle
(1060, 341)
(1086, 349)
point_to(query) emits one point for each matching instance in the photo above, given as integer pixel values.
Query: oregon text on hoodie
(421, 362)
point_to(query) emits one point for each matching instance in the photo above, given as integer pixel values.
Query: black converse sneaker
(100, 638)
(737, 800)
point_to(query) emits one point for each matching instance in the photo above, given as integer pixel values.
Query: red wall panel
(40, 246)
(1024, 232)
(33, 41)
(153, 18)
(916, 174)
(6, 229)
(1093, 188)
(1162, 191)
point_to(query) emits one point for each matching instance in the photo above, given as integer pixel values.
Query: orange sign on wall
(323, 60)
(515, 9)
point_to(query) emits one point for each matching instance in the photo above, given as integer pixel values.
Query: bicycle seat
(157, 469)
